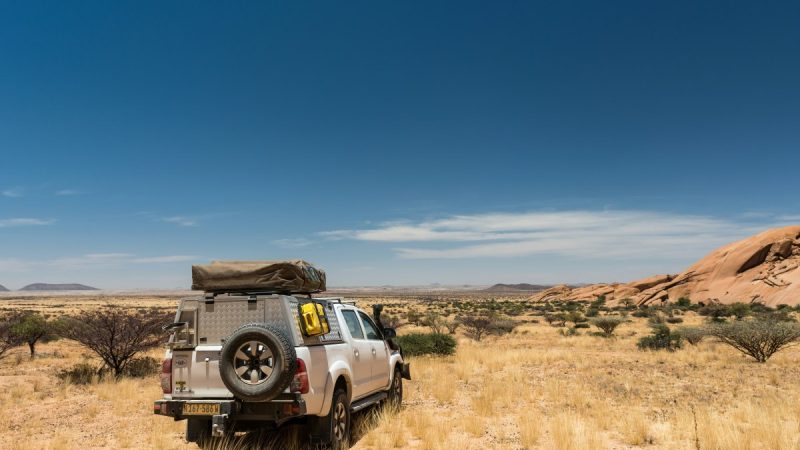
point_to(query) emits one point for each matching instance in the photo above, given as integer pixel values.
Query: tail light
(166, 376)
(300, 380)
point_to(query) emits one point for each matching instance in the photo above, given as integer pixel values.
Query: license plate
(200, 409)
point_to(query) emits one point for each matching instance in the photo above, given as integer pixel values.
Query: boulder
(762, 268)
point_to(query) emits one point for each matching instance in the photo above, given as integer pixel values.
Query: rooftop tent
(284, 277)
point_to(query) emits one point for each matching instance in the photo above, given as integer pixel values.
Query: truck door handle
(373, 351)
(355, 352)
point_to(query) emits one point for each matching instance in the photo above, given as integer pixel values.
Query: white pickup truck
(241, 362)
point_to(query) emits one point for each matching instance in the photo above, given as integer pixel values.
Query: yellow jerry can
(313, 319)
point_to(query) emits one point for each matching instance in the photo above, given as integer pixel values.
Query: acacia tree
(477, 327)
(32, 328)
(8, 339)
(433, 321)
(452, 326)
(757, 338)
(117, 335)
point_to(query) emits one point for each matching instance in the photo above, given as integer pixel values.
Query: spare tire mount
(257, 362)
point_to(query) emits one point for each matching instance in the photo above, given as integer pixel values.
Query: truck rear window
(352, 323)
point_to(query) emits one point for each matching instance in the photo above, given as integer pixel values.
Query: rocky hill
(520, 287)
(57, 287)
(763, 268)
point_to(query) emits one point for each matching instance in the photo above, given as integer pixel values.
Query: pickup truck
(249, 361)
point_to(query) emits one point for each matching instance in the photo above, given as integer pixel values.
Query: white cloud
(164, 259)
(789, 218)
(65, 192)
(24, 222)
(12, 192)
(570, 233)
(181, 220)
(13, 265)
(91, 260)
(292, 243)
(102, 256)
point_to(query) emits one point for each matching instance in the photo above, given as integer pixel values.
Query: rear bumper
(174, 408)
(279, 410)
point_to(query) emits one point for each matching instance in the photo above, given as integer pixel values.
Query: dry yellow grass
(531, 389)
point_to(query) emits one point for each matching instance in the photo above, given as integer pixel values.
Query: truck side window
(352, 323)
(371, 329)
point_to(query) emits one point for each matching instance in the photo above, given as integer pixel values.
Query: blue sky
(392, 142)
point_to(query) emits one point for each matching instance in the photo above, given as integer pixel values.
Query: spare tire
(257, 362)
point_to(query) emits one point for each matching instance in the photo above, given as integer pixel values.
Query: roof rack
(346, 302)
(252, 292)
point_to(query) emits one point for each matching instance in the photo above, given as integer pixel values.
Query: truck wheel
(257, 362)
(332, 432)
(395, 392)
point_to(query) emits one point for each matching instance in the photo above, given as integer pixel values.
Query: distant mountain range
(3, 288)
(58, 287)
(520, 287)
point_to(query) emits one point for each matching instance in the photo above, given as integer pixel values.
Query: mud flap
(405, 370)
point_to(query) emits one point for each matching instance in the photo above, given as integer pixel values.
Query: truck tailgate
(195, 374)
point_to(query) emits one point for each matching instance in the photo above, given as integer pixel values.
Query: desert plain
(536, 387)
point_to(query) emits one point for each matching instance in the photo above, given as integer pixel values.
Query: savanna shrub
(478, 326)
(142, 367)
(656, 318)
(567, 332)
(414, 344)
(757, 338)
(81, 373)
(693, 335)
(607, 324)
(662, 338)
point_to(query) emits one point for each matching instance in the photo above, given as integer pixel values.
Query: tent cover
(284, 277)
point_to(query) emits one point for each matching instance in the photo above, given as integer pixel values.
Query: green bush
(781, 315)
(715, 312)
(567, 332)
(656, 318)
(627, 303)
(607, 324)
(661, 339)
(82, 373)
(739, 310)
(414, 344)
(693, 335)
(556, 320)
(674, 320)
(141, 367)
